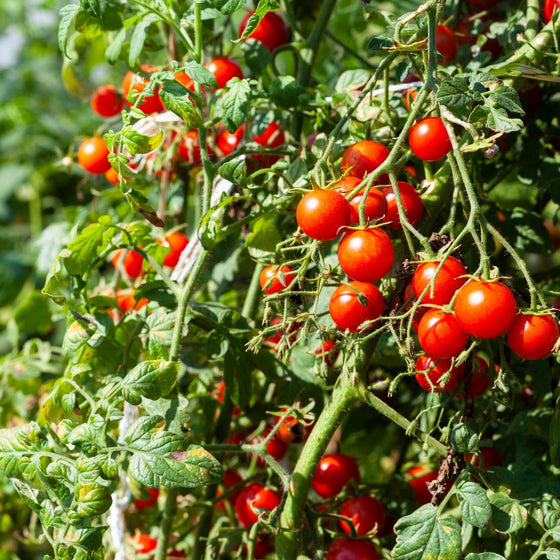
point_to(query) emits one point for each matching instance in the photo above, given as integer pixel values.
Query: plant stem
(252, 297)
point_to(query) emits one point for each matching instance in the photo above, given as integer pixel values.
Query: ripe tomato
(352, 549)
(441, 335)
(275, 278)
(334, 472)
(412, 204)
(533, 337)
(327, 351)
(271, 31)
(322, 213)
(366, 255)
(127, 302)
(347, 311)
(251, 498)
(148, 502)
(224, 69)
(106, 102)
(365, 512)
(421, 475)
(375, 206)
(227, 142)
(409, 97)
(272, 137)
(292, 430)
(92, 155)
(485, 309)
(550, 6)
(437, 370)
(189, 148)
(143, 543)
(231, 479)
(150, 104)
(176, 241)
(428, 139)
(131, 262)
(112, 176)
(446, 43)
(364, 157)
(490, 458)
(480, 379)
(445, 284)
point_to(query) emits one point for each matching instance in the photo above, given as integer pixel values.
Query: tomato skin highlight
(274, 278)
(346, 310)
(485, 309)
(366, 255)
(106, 102)
(412, 204)
(533, 337)
(271, 31)
(429, 140)
(321, 214)
(224, 69)
(93, 155)
(334, 472)
(352, 549)
(446, 283)
(432, 380)
(227, 142)
(441, 335)
(364, 157)
(365, 512)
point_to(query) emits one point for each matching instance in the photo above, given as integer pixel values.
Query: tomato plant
(359, 340)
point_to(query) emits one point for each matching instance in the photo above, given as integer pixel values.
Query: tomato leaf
(508, 515)
(85, 249)
(138, 143)
(234, 171)
(33, 314)
(464, 439)
(474, 504)
(424, 535)
(162, 458)
(265, 234)
(228, 6)
(67, 14)
(138, 38)
(160, 333)
(235, 103)
(113, 50)
(200, 74)
(176, 98)
(285, 91)
(484, 556)
(152, 379)
(257, 56)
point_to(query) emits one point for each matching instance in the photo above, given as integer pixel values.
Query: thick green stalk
(344, 395)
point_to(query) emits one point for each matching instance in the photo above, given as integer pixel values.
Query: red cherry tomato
(441, 335)
(421, 475)
(327, 351)
(364, 157)
(465, 34)
(292, 430)
(224, 69)
(352, 549)
(429, 140)
(272, 137)
(366, 255)
(533, 337)
(144, 543)
(148, 105)
(485, 309)
(447, 281)
(131, 263)
(250, 499)
(127, 302)
(106, 102)
(276, 278)
(334, 473)
(347, 311)
(322, 213)
(550, 6)
(479, 381)
(112, 176)
(189, 148)
(437, 371)
(176, 241)
(92, 155)
(412, 204)
(490, 458)
(446, 43)
(271, 31)
(365, 512)
(375, 205)
(227, 142)
(231, 479)
(148, 502)
(277, 336)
